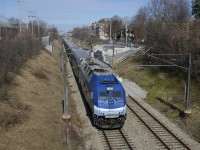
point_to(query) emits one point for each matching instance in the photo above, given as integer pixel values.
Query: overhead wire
(166, 61)
(163, 89)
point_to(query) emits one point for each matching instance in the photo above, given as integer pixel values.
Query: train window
(117, 95)
(100, 70)
(103, 95)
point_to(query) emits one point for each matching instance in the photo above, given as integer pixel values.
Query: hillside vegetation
(169, 87)
(30, 116)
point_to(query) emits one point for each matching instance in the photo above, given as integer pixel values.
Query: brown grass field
(31, 118)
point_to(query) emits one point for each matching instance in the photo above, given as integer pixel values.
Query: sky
(68, 14)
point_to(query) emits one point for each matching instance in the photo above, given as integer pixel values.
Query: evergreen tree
(196, 8)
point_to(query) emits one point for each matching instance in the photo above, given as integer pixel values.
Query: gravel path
(88, 131)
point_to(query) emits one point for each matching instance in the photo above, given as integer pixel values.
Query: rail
(115, 139)
(166, 137)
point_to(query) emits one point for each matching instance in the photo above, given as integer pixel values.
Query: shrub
(4, 94)
(14, 51)
(40, 73)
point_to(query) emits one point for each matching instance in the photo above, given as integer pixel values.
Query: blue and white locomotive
(103, 91)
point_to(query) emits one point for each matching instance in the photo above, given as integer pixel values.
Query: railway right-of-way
(116, 139)
(166, 139)
(135, 134)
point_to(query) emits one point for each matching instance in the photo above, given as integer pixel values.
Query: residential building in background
(101, 28)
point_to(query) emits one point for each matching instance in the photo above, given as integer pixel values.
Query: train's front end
(109, 100)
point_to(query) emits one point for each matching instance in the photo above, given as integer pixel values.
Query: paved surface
(133, 89)
(107, 52)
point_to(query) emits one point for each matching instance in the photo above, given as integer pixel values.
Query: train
(102, 90)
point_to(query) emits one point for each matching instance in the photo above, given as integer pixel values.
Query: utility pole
(110, 29)
(65, 87)
(187, 89)
(64, 73)
(38, 27)
(66, 116)
(28, 22)
(187, 100)
(31, 16)
(3, 8)
(19, 1)
(126, 31)
(92, 36)
(113, 52)
(32, 25)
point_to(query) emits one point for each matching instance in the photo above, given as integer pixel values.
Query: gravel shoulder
(87, 131)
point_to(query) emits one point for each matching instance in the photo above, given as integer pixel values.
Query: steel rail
(125, 140)
(168, 147)
(107, 141)
(148, 126)
(116, 140)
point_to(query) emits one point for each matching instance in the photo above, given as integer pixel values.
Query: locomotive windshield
(117, 95)
(103, 95)
(112, 94)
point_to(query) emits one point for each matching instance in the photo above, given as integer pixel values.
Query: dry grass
(4, 94)
(33, 113)
(75, 132)
(40, 73)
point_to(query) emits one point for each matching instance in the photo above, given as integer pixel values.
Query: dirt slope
(37, 89)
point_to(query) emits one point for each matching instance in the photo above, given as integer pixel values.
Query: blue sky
(67, 14)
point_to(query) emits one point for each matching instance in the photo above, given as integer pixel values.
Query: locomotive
(102, 90)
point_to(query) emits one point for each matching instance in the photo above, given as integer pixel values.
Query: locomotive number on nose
(110, 102)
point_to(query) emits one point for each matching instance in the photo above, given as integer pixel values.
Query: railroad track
(164, 137)
(115, 139)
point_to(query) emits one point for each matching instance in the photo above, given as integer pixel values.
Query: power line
(2, 7)
(19, 1)
(4, 17)
(167, 61)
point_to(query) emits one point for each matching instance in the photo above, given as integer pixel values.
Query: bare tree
(167, 11)
(14, 21)
(196, 8)
(139, 22)
(81, 33)
(116, 17)
(42, 28)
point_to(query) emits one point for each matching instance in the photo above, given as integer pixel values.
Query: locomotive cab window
(106, 95)
(117, 95)
(103, 95)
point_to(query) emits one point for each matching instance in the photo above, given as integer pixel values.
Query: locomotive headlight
(100, 101)
(109, 88)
